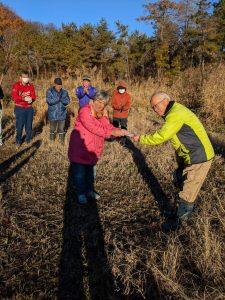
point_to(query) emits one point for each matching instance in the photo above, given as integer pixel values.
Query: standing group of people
(193, 149)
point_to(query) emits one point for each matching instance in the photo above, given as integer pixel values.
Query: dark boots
(61, 138)
(52, 137)
(184, 211)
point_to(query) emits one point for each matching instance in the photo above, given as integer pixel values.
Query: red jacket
(121, 103)
(87, 138)
(17, 94)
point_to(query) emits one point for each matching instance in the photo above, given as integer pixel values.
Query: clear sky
(82, 11)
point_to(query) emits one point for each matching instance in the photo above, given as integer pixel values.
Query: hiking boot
(82, 199)
(52, 137)
(93, 195)
(61, 138)
(184, 210)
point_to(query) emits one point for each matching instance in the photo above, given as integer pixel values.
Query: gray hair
(162, 95)
(102, 95)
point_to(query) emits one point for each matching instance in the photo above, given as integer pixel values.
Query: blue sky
(82, 11)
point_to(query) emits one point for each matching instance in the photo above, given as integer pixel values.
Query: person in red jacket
(23, 95)
(121, 102)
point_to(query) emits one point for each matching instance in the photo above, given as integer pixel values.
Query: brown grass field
(52, 248)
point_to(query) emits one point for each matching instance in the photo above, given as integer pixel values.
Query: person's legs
(29, 114)
(53, 125)
(79, 178)
(89, 179)
(61, 126)
(1, 127)
(116, 122)
(123, 123)
(194, 177)
(20, 121)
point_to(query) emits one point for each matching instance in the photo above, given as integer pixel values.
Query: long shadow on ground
(84, 268)
(6, 172)
(148, 176)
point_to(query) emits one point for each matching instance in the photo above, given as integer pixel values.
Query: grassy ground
(52, 248)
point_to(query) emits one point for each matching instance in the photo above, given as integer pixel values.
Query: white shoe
(93, 195)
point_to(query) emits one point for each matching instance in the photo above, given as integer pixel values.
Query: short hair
(24, 72)
(162, 95)
(102, 95)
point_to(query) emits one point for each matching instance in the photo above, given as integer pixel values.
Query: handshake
(28, 99)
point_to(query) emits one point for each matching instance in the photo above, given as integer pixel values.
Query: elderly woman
(86, 145)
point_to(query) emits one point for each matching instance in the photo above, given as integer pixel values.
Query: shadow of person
(84, 271)
(8, 133)
(38, 128)
(148, 176)
(6, 172)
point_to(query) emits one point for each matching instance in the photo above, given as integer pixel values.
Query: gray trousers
(57, 124)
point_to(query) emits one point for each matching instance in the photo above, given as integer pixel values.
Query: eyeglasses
(156, 106)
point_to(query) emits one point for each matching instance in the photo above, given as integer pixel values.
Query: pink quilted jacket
(87, 138)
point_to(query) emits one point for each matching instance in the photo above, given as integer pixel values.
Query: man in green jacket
(193, 149)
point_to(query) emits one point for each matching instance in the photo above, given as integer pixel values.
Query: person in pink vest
(86, 144)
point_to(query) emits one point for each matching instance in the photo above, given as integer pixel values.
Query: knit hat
(121, 85)
(58, 81)
(86, 77)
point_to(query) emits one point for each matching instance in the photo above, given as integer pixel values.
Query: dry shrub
(213, 98)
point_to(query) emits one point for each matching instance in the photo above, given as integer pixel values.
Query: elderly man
(85, 92)
(193, 150)
(57, 99)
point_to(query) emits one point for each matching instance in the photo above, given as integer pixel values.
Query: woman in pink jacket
(86, 145)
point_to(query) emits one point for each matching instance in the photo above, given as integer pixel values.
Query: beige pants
(194, 176)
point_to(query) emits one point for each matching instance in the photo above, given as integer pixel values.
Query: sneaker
(82, 199)
(93, 195)
(18, 146)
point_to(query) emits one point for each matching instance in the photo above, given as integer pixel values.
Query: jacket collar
(168, 108)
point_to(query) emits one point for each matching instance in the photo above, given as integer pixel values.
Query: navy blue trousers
(24, 118)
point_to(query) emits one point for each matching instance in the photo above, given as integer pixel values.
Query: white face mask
(25, 80)
(121, 91)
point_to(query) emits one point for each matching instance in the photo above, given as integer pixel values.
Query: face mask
(25, 80)
(121, 91)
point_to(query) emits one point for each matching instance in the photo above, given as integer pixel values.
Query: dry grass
(51, 248)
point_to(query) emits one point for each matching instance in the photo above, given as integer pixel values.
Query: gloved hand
(28, 99)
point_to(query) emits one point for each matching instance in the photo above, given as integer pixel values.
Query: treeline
(189, 33)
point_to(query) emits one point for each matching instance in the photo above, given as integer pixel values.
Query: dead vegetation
(51, 248)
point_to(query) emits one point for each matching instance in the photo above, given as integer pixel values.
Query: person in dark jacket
(1, 97)
(57, 99)
(85, 92)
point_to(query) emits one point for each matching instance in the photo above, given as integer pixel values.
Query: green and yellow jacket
(186, 133)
